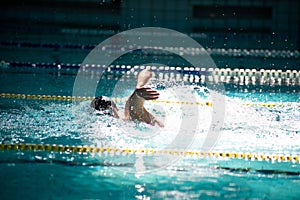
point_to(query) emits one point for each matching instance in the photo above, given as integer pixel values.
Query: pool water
(65, 175)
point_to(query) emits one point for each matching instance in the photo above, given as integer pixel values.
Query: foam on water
(245, 128)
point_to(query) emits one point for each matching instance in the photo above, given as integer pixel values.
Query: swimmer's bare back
(134, 107)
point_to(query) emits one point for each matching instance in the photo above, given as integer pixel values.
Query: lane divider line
(82, 98)
(90, 149)
(187, 70)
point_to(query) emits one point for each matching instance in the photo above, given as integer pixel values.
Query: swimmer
(134, 107)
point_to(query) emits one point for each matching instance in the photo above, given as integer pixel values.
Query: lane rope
(90, 149)
(190, 70)
(83, 98)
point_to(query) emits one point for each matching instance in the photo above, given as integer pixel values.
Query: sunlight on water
(245, 129)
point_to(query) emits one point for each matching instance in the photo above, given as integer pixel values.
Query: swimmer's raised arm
(143, 78)
(134, 107)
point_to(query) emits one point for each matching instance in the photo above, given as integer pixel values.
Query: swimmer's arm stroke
(134, 107)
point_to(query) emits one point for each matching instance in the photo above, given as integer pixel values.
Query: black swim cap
(101, 103)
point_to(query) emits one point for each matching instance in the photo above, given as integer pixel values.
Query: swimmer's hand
(147, 93)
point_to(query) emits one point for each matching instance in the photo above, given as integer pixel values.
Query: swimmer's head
(101, 103)
(105, 105)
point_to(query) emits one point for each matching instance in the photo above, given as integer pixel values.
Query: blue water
(48, 175)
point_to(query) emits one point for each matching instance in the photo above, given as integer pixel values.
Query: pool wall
(65, 32)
